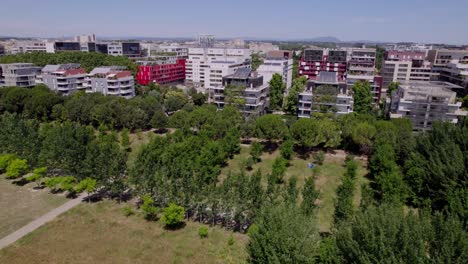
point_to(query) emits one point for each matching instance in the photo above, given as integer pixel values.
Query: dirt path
(18, 234)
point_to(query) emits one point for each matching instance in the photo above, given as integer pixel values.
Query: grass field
(328, 180)
(100, 233)
(20, 205)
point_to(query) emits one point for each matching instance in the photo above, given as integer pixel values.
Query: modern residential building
(314, 61)
(18, 74)
(129, 49)
(401, 66)
(325, 94)
(63, 78)
(181, 52)
(440, 58)
(280, 62)
(255, 92)
(112, 80)
(206, 67)
(361, 67)
(426, 102)
(456, 72)
(161, 70)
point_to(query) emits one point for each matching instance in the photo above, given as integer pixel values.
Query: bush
(17, 168)
(128, 211)
(150, 212)
(173, 215)
(5, 160)
(203, 232)
(87, 185)
(249, 162)
(231, 240)
(319, 157)
(62, 183)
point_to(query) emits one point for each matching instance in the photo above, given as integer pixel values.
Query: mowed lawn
(328, 179)
(100, 233)
(20, 205)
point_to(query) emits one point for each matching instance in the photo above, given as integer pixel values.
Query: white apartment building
(63, 78)
(426, 102)
(18, 74)
(112, 80)
(399, 71)
(206, 67)
(28, 47)
(114, 49)
(361, 67)
(85, 38)
(325, 94)
(280, 62)
(255, 92)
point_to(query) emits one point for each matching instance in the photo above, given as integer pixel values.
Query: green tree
(311, 133)
(88, 185)
(277, 88)
(256, 150)
(5, 160)
(284, 235)
(270, 127)
(199, 98)
(309, 196)
(159, 120)
(125, 139)
(292, 100)
(173, 215)
(362, 96)
(287, 149)
(256, 61)
(150, 211)
(174, 100)
(17, 168)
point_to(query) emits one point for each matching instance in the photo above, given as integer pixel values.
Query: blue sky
(383, 20)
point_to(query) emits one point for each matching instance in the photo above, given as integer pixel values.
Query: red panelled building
(314, 61)
(161, 72)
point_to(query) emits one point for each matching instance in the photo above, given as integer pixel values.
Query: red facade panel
(162, 73)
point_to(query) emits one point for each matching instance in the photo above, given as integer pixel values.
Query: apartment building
(206, 67)
(28, 47)
(456, 72)
(315, 61)
(399, 66)
(18, 74)
(181, 52)
(426, 102)
(280, 62)
(326, 93)
(254, 92)
(161, 70)
(361, 67)
(66, 46)
(63, 78)
(440, 58)
(112, 80)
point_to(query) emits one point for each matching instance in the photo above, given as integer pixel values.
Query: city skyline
(409, 21)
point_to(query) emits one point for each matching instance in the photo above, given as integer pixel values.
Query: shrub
(128, 211)
(203, 232)
(87, 185)
(33, 177)
(173, 215)
(150, 212)
(319, 157)
(5, 160)
(249, 162)
(231, 240)
(62, 183)
(17, 168)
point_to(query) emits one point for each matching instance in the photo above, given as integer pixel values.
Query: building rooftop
(415, 90)
(242, 73)
(327, 77)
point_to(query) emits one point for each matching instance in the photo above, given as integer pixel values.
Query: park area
(100, 232)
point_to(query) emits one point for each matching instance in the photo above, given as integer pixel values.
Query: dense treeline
(88, 60)
(140, 112)
(414, 209)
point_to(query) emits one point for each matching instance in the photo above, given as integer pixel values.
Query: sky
(426, 21)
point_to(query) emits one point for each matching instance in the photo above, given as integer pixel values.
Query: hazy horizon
(396, 21)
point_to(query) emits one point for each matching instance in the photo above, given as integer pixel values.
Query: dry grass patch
(100, 233)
